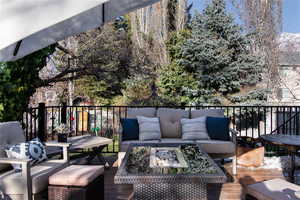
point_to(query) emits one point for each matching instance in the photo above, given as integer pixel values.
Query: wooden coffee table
(86, 142)
(168, 183)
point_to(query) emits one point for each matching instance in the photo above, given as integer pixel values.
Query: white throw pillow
(149, 128)
(33, 150)
(194, 129)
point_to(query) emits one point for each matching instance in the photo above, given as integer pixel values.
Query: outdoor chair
(32, 181)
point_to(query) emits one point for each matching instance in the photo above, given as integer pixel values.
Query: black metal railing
(251, 121)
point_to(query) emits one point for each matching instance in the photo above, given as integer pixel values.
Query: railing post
(42, 122)
(64, 113)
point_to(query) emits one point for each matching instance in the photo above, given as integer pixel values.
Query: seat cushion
(10, 133)
(76, 175)
(176, 140)
(194, 129)
(218, 128)
(217, 146)
(125, 144)
(170, 123)
(149, 128)
(130, 129)
(13, 183)
(146, 112)
(207, 113)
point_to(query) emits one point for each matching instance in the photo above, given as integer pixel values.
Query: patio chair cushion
(218, 128)
(217, 146)
(275, 189)
(10, 133)
(149, 128)
(145, 112)
(130, 129)
(194, 129)
(207, 113)
(13, 183)
(76, 175)
(170, 123)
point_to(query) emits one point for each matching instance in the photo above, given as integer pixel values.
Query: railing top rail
(198, 106)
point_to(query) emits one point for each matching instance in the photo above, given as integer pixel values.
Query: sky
(291, 13)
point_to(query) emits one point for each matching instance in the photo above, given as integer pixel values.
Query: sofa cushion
(218, 128)
(130, 129)
(217, 146)
(149, 128)
(10, 133)
(13, 182)
(170, 123)
(125, 144)
(194, 129)
(176, 140)
(146, 112)
(207, 113)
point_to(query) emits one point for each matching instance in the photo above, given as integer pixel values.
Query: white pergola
(27, 26)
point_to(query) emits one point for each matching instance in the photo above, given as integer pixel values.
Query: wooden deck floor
(232, 190)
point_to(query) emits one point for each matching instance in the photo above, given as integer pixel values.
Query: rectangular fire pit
(168, 171)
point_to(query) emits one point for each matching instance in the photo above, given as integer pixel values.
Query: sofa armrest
(65, 147)
(57, 144)
(234, 134)
(13, 161)
(120, 132)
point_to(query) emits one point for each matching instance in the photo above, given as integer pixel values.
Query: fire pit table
(168, 171)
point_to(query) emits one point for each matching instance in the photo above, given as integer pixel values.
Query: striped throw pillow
(194, 129)
(149, 128)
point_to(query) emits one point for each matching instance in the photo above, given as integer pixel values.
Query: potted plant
(62, 132)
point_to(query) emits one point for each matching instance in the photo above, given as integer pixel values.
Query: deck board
(232, 190)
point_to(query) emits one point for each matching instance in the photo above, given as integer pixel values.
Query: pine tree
(218, 55)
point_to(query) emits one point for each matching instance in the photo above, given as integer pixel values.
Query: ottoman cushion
(76, 175)
(275, 189)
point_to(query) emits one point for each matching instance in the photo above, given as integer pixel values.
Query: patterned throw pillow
(194, 129)
(33, 150)
(149, 128)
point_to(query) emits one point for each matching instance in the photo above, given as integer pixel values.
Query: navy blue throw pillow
(218, 128)
(130, 129)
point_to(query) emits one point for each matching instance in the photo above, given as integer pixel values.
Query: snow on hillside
(289, 42)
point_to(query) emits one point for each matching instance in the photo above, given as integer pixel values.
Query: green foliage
(174, 79)
(18, 82)
(106, 55)
(217, 55)
(254, 97)
(137, 90)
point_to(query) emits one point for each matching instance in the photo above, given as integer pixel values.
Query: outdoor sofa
(170, 126)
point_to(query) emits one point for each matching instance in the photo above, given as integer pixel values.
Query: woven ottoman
(275, 189)
(77, 182)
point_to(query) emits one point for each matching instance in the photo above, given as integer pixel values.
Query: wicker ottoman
(80, 182)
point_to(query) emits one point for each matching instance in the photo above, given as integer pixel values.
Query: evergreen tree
(218, 56)
(174, 79)
(18, 82)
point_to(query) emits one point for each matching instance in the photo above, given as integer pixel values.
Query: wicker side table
(77, 182)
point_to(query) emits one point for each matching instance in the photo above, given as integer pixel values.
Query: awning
(30, 25)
